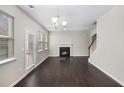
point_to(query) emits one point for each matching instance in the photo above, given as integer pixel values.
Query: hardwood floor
(67, 72)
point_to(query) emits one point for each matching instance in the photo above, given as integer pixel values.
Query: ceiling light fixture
(55, 21)
(64, 23)
(64, 28)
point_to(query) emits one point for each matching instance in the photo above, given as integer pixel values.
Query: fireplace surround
(65, 45)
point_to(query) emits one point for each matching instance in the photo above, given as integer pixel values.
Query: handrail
(93, 40)
(91, 43)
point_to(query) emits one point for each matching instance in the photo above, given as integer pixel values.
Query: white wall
(11, 72)
(79, 39)
(109, 54)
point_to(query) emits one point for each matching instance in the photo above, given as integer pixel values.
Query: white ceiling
(78, 17)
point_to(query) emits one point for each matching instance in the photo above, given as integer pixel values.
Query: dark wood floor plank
(67, 72)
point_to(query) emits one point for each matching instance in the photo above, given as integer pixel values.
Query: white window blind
(46, 42)
(40, 42)
(3, 25)
(6, 36)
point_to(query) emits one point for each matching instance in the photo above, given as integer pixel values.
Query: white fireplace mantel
(66, 45)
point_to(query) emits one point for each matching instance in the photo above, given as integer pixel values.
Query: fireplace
(64, 51)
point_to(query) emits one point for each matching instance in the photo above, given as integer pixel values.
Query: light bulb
(64, 23)
(64, 28)
(54, 20)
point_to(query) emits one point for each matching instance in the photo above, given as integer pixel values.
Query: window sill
(7, 60)
(41, 41)
(46, 49)
(40, 51)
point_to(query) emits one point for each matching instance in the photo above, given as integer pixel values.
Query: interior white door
(29, 50)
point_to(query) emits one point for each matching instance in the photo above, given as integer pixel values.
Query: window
(46, 42)
(40, 42)
(6, 36)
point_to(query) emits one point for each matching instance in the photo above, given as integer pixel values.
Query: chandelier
(57, 24)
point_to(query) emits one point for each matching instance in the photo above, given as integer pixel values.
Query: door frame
(27, 32)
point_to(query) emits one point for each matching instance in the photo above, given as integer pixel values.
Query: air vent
(30, 6)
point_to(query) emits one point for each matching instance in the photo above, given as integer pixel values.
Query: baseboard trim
(70, 56)
(17, 81)
(53, 56)
(118, 81)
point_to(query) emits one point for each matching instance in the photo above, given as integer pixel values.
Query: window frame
(46, 42)
(9, 37)
(40, 41)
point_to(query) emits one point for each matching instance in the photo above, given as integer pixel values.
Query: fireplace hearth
(64, 51)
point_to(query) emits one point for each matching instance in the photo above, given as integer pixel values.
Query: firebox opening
(64, 51)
